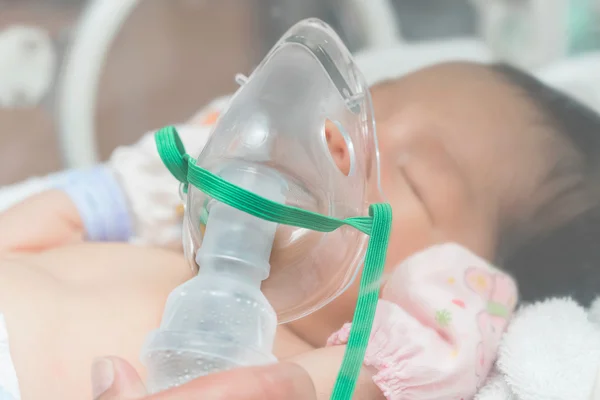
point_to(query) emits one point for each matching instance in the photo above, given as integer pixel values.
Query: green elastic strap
(377, 225)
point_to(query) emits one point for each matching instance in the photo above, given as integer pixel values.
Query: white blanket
(551, 351)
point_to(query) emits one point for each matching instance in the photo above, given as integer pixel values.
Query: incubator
(534, 33)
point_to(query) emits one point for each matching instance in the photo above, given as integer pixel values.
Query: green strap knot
(377, 225)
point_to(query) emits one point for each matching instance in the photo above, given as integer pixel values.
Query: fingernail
(103, 376)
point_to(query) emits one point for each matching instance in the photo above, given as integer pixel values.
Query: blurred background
(79, 78)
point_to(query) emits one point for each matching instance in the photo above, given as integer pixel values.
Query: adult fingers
(273, 382)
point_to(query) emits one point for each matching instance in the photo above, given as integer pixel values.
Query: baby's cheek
(411, 226)
(411, 229)
(410, 234)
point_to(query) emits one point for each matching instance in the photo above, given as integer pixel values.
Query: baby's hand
(323, 365)
(43, 221)
(438, 325)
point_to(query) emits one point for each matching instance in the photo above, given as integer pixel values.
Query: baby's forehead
(482, 122)
(444, 88)
(458, 94)
(439, 77)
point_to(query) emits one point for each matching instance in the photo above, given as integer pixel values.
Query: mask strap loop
(377, 225)
(172, 152)
(368, 296)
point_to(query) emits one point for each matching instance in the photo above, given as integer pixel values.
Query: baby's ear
(337, 147)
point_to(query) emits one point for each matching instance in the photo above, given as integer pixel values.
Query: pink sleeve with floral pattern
(438, 325)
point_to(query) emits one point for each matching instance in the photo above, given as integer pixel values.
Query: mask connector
(220, 319)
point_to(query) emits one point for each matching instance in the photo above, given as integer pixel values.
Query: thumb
(115, 379)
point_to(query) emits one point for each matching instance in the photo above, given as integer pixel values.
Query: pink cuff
(438, 326)
(412, 360)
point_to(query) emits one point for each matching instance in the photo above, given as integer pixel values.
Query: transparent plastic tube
(220, 319)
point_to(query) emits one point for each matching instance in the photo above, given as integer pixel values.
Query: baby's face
(459, 157)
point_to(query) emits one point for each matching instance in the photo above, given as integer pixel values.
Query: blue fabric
(4, 395)
(101, 203)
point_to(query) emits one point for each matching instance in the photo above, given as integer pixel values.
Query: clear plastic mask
(306, 93)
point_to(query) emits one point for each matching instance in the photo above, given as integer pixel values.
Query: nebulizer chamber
(253, 273)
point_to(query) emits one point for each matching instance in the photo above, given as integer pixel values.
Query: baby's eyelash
(410, 182)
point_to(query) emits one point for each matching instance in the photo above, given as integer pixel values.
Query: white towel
(551, 351)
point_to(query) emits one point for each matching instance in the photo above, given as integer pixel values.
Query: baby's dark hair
(561, 259)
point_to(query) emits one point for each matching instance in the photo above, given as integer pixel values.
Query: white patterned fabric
(151, 190)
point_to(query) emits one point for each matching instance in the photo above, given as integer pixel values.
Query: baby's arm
(131, 197)
(42, 221)
(323, 365)
(438, 325)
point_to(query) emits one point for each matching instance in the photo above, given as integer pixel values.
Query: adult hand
(114, 379)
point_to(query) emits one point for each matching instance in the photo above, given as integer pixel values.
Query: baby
(482, 156)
